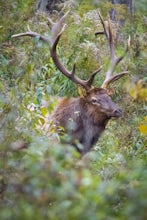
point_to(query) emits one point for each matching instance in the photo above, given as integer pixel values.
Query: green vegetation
(41, 178)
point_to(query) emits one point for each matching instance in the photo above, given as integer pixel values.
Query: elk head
(100, 101)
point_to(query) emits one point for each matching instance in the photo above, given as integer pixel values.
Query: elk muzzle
(117, 112)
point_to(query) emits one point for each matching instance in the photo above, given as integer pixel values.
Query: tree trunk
(128, 3)
(49, 5)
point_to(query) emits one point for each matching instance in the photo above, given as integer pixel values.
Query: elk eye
(94, 100)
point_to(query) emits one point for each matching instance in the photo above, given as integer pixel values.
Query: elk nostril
(118, 112)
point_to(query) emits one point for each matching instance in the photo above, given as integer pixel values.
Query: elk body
(84, 118)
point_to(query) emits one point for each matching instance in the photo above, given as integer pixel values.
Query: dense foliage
(41, 178)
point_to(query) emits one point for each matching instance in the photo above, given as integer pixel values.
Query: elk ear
(82, 91)
(110, 92)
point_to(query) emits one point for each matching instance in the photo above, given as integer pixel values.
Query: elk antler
(56, 34)
(114, 60)
(71, 75)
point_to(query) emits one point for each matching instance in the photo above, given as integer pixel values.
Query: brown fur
(83, 119)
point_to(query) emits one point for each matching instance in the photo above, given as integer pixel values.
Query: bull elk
(84, 118)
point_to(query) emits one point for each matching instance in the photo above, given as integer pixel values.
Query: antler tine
(73, 70)
(57, 26)
(91, 79)
(111, 41)
(113, 79)
(126, 50)
(104, 26)
(114, 60)
(108, 33)
(55, 30)
(32, 34)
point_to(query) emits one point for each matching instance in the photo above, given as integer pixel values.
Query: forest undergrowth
(39, 177)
